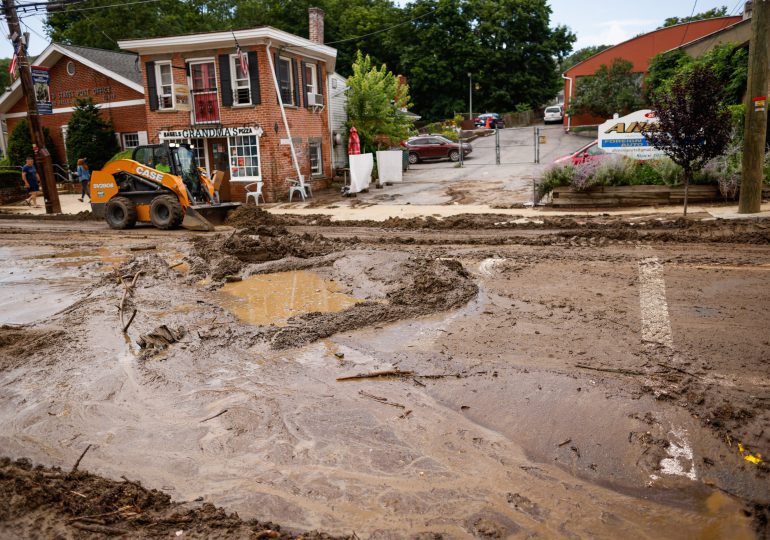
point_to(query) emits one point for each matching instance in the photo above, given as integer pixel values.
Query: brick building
(112, 79)
(639, 51)
(197, 92)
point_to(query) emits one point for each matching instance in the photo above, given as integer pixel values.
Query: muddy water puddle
(274, 298)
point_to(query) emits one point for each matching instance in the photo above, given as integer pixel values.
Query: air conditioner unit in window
(315, 100)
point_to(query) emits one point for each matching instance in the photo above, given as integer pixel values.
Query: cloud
(616, 31)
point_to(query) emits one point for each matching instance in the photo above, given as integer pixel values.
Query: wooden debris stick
(382, 400)
(102, 529)
(377, 374)
(564, 442)
(220, 413)
(142, 248)
(406, 413)
(666, 366)
(125, 328)
(75, 468)
(128, 289)
(611, 370)
(175, 265)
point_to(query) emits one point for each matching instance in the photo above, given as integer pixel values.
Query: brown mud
(40, 502)
(526, 399)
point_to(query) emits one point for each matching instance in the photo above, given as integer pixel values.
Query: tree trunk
(687, 176)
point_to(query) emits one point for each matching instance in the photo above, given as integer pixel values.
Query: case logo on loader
(149, 173)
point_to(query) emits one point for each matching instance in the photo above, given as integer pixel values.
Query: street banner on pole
(41, 80)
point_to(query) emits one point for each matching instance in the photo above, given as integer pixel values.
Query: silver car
(554, 114)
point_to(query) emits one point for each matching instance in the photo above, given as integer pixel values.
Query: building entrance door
(220, 159)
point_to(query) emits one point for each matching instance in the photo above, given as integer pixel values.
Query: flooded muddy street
(548, 380)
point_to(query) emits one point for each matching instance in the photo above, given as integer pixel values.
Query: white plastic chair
(298, 186)
(254, 190)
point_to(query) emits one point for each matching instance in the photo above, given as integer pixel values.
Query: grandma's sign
(209, 133)
(625, 135)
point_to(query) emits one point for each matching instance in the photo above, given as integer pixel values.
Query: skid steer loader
(160, 184)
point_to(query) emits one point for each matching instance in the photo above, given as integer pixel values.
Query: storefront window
(244, 156)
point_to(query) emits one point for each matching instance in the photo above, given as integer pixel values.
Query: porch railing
(205, 106)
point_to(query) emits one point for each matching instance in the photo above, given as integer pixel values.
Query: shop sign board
(210, 133)
(625, 135)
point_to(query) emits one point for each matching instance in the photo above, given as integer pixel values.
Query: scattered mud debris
(161, 337)
(20, 342)
(39, 502)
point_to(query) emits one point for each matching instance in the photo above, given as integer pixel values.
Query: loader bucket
(204, 217)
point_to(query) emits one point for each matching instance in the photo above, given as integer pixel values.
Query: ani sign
(625, 135)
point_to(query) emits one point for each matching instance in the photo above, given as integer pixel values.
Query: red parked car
(589, 152)
(435, 147)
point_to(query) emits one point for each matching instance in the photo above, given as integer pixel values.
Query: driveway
(479, 180)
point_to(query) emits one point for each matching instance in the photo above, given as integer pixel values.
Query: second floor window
(286, 81)
(311, 79)
(165, 83)
(240, 81)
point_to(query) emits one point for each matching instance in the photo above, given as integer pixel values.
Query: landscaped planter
(633, 195)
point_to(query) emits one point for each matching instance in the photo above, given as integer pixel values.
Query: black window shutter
(304, 85)
(321, 83)
(187, 68)
(152, 88)
(256, 97)
(278, 77)
(224, 80)
(297, 101)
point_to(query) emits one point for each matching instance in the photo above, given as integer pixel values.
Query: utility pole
(42, 156)
(755, 131)
(470, 96)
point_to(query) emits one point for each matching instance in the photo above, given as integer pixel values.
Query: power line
(91, 8)
(687, 27)
(383, 29)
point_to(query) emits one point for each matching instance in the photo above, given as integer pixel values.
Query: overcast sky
(600, 22)
(594, 21)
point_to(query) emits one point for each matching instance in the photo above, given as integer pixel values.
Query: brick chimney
(747, 9)
(316, 20)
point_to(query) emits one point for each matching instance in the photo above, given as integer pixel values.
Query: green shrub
(20, 144)
(556, 176)
(614, 172)
(670, 173)
(646, 175)
(10, 178)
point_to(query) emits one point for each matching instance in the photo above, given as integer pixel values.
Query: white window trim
(123, 139)
(314, 71)
(196, 61)
(320, 154)
(246, 179)
(233, 72)
(159, 86)
(292, 83)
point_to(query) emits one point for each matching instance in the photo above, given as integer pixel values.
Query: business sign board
(209, 133)
(625, 135)
(41, 82)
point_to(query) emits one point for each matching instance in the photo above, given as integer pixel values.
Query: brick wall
(275, 158)
(84, 83)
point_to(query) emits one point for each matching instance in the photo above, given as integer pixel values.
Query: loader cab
(175, 159)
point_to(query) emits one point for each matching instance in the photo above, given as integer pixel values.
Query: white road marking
(680, 458)
(656, 325)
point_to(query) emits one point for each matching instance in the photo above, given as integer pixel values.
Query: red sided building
(639, 51)
(111, 79)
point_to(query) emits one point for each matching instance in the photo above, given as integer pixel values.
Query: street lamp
(470, 96)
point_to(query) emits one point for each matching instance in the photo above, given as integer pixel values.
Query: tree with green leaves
(729, 62)
(613, 89)
(376, 99)
(693, 121)
(710, 14)
(90, 136)
(20, 144)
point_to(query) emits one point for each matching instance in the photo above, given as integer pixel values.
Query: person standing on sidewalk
(84, 175)
(29, 175)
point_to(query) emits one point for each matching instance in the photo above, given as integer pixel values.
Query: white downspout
(331, 121)
(569, 95)
(283, 115)
(3, 144)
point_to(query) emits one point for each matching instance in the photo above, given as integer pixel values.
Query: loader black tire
(166, 212)
(120, 213)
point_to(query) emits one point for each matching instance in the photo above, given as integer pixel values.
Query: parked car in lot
(435, 147)
(554, 113)
(496, 121)
(589, 152)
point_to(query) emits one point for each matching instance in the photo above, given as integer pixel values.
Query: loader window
(188, 168)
